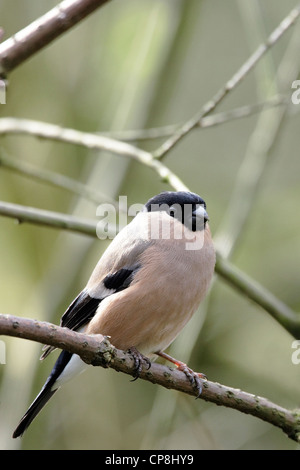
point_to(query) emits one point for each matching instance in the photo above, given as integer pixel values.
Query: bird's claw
(138, 359)
(195, 378)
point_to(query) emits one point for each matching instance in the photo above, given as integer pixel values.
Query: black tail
(44, 395)
(40, 401)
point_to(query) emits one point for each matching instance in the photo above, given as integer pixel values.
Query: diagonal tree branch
(258, 155)
(44, 30)
(135, 135)
(235, 80)
(97, 350)
(55, 179)
(287, 318)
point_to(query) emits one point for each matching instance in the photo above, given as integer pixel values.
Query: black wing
(84, 307)
(120, 279)
(81, 311)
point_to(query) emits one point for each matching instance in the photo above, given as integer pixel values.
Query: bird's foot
(138, 359)
(195, 378)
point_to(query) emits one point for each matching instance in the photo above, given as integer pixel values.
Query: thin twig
(97, 350)
(48, 218)
(136, 135)
(43, 31)
(54, 179)
(24, 126)
(289, 319)
(189, 125)
(91, 141)
(152, 133)
(63, 134)
(260, 149)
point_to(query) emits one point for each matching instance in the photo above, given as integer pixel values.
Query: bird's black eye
(173, 211)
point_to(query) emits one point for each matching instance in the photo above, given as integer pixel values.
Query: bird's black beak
(199, 217)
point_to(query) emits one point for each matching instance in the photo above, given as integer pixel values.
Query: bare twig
(54, 179)
(44, 30)
(39, 128)
(91, 141)
(289, 319)
(192, 123)
(260, 148)
(63, 134)
(97, 350)
(48, 218)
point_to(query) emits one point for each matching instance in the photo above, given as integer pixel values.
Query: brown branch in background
(97, 350)
(44, 30)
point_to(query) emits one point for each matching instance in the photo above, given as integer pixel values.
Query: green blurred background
(131, 65)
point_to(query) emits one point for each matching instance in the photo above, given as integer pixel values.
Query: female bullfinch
(144, 289)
